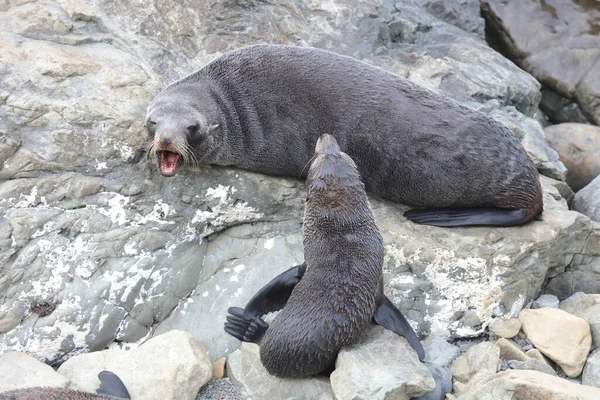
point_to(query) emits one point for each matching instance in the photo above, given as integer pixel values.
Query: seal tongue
(168, 163)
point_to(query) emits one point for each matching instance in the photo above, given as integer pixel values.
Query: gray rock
(591, 370)
(20, 370)
(578, 147)
(586, 200)
(532, 364)
(556, 42)
(96, 247)
(219, 389)
(169, 366)
(545, 301)
(579, 302)
(358, 369)
(247, 372)
(443, 383)
(439, 352)
(483, 358)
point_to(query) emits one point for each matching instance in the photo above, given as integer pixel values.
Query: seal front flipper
(275, 294)
(388, 316)
(245, 324)
(468, 216)
(111, 385)
(242, 329)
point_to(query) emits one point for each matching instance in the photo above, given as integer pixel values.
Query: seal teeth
(169, 162)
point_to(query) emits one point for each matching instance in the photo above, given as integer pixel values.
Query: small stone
(246, 371)
(562, 337)
(218, 368)
(439, 352)
(483, 357)
(532, 364)
(470, 319)
(505, 327)
(509, 350)
(458, 387)
(591, 371)
(173, 365)
(20, 370)
(545, 301)
(526, 384)
(535, 353)
(358, 369)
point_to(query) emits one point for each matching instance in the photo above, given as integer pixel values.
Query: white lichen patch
(100, 166)
(116, 209)
(269, 243)
(221, 192)
(159, 214)
(27, 200)
(129, 248)
(466, 283)
(63, 264)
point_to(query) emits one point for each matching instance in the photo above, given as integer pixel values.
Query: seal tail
(494, 216)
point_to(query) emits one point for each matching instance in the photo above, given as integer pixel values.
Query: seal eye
(150, 125)
(193, 129)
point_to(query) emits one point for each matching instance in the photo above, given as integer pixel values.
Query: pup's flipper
(489, 216)
(391, 318)
(246, 323)
(242, 329)
(111, 385)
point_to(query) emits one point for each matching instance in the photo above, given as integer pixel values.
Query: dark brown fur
(46, 393)
(336, 299)
(262, 108)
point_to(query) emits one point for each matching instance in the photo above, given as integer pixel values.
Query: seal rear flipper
(388, 316)
(111, 385)
(275, 294)
(242, 329)
(490, 216)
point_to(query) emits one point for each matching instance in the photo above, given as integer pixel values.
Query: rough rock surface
(443, 383)
(587, 200)
(20, 370)
(96, 247)
(545, 301)
(382, 366)
(517, 384)
(591, 371)
(532, 364)
(557, 41)
(482, 358)
(439, 352)
(247, 372)
(509, 350)
(578, 147)
(505, 327)
(560, 336)
(169, 366)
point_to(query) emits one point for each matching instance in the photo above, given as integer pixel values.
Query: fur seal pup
(329, 301)
(111, 388)
(262, 108)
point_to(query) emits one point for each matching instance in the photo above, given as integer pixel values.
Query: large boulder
(97, 247)
(558, 42)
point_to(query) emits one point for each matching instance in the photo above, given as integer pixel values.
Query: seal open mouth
(169, 162)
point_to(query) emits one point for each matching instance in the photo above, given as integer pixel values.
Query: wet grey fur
(336, 299)
(46, 393)
(263, 107)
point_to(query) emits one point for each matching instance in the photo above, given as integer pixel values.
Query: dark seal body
(46, 393)
(336, 299)
(263, 107)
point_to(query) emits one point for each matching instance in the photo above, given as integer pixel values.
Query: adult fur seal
(329, 300)
(111, 388)
(263, 107)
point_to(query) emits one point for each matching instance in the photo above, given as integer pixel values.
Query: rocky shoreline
(97, 251)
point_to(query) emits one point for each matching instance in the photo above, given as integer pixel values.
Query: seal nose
(165, 141)
(327, 145)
